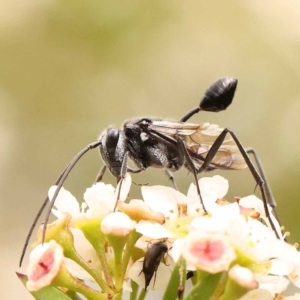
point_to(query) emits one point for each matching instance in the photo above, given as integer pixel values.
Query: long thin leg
(171, 178)
(259, 180)
(184, 153)
(133, 171)
(62, 180)
(100, 174)
(267, 188)
(121, 177)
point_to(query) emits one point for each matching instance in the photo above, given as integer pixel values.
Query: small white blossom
(273, 284)
(258, 294)
(243, 276)
(211, 253)
(118, 224)
(44, 264)
(100, 200)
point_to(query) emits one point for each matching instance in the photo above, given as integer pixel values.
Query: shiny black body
(152, 259)
(149, 148)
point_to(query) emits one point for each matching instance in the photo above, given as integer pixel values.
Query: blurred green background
(69, 69)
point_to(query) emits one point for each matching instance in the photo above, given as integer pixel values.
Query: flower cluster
(161, 242)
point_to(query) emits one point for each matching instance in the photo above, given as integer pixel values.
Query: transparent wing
(199, 139)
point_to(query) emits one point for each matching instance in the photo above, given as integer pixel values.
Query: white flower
(118, 224)
(179, 210)
(211, 253)
(243, 276)
(253, 202)
(44, 264)
(100, 200)
(87, 252)
(258, 294)
(212, 189)
(273, 284)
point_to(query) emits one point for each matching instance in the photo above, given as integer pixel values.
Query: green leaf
(46, 293)
(174, 282)
(205, 289)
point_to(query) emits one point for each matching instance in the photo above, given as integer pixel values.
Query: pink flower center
(44, 266)
(208, 250)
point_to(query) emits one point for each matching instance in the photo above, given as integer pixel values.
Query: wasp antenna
(59, 184)
(62, 180)
(36, 219)
(219, 95)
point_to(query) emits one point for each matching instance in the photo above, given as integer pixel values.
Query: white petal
(274, 284)
(152, 230)
(295, 275)
(77, 271)
(100, 199)
(281, 267)
(177, 249)
(293, 297)
(212, 188)
(258, 294)
(65, 201)
(125, 187)
(160, 199)
(99, 191)
(85, 249)
(118, 224)
(207, 224)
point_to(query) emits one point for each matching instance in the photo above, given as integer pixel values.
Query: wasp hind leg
(258, 178)
(184, 154)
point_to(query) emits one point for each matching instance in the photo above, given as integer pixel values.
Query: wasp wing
(198, 141)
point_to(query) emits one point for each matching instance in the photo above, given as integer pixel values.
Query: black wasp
(152, 259)
(154, 142)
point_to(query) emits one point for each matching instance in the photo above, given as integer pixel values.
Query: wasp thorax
(132, 132)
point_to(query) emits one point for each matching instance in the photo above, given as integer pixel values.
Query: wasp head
(112, 149)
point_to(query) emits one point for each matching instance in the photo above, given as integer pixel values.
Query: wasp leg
(100, 174)
(258, 178)
(268, 191)
(134, 171)
(120, 178)
(172, 179)
(184, 154)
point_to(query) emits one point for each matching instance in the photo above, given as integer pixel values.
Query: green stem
(96, 274)
(118, 269)
(132, 239)
(134, 288)
(142, 295)
(97, 239)
(65, 279)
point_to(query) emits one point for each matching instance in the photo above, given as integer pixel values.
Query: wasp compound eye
(219, 95)
(112, 139)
